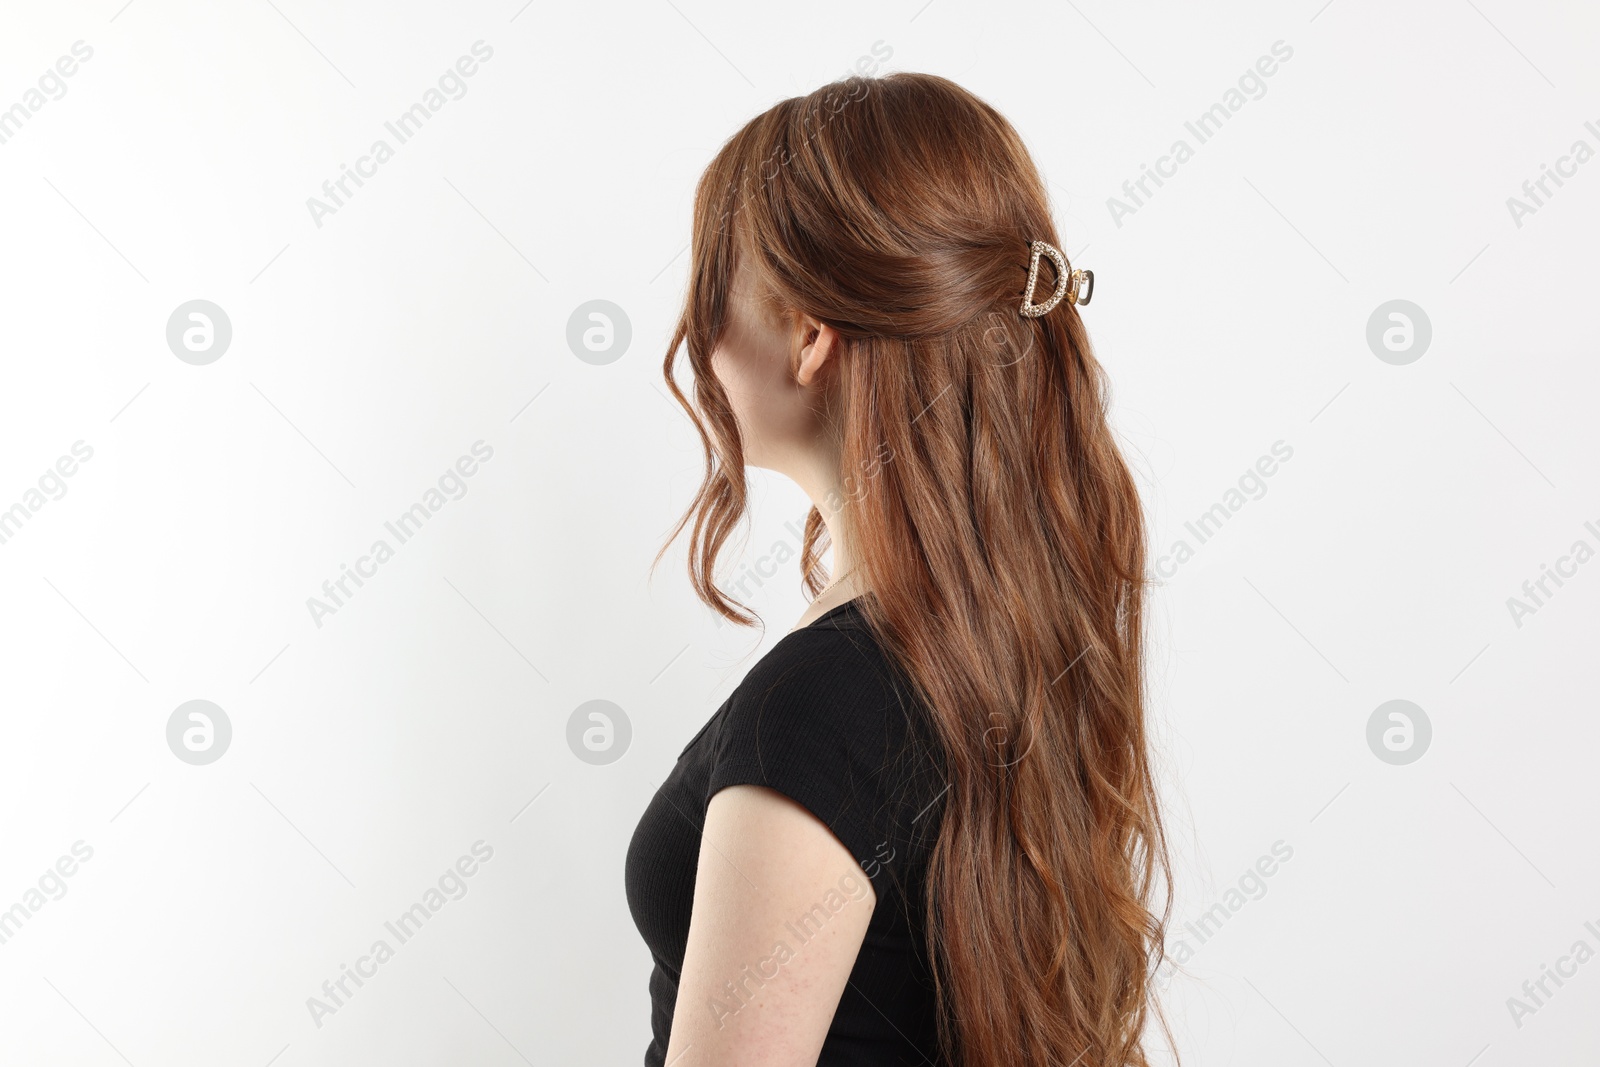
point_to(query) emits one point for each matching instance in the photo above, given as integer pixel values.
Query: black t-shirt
(827, 720)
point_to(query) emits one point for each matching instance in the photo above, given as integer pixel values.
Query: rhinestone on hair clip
(1077, 286)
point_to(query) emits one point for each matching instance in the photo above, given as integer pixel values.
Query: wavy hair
(994, 523)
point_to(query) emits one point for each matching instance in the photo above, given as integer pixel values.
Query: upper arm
(780, 912)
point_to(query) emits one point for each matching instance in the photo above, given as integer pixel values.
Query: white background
(371, 752)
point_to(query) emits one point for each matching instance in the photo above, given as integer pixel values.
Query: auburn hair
(993, 521)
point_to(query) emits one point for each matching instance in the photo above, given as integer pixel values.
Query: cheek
(746, 380)
(726, 369)
(732, 375)
(762, 400)
(722, 367)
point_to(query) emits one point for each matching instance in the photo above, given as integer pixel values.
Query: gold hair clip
(1076, 286)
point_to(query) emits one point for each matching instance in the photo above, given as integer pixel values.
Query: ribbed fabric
(825, 719)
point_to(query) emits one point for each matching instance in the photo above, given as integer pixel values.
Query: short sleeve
(823, 720)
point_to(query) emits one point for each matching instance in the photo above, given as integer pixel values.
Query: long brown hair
(994, 522)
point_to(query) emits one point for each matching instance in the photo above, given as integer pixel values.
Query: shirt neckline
(830, 613)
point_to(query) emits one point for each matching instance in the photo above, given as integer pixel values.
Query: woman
(923, 829)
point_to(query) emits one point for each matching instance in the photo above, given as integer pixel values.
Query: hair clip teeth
(1082, 287)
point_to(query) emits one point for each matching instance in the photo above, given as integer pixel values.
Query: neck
(834, 504)
(821, 482)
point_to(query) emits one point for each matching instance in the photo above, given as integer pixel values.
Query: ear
(818, 346)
